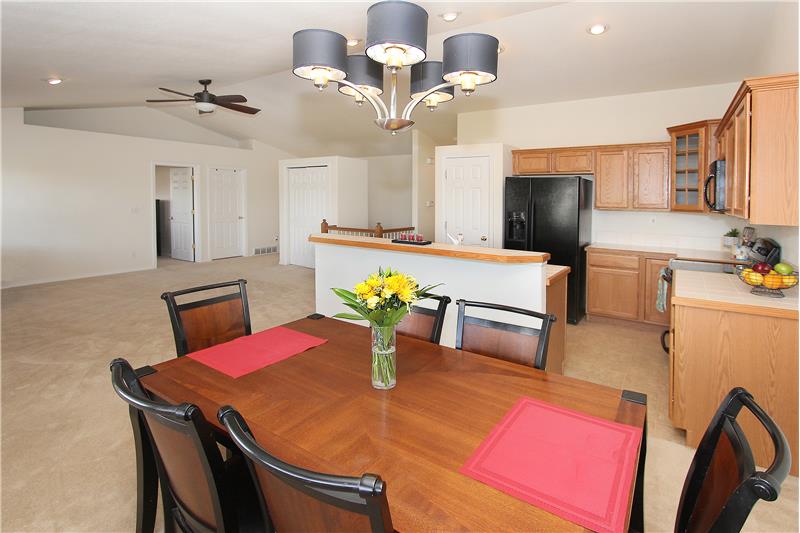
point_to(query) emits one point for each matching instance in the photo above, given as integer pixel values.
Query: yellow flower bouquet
(383, 299)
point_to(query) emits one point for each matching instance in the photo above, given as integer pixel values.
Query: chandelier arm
(377, 103)
(415, 101)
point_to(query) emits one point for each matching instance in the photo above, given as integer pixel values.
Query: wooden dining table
(319, 411)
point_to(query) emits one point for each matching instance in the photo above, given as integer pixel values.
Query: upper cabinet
(693, 149)
(627, 176)
(757, 138)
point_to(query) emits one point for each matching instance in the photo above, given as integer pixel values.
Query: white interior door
(466, 198)
(225, 212)
(308, 205)
(181, 216)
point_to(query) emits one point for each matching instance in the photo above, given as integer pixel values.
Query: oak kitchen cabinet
(757, 138)
(556, 303)
(694, 147)
(725, 337)
(627, 176)
(624, 284)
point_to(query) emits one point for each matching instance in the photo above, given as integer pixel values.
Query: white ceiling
(117, 54)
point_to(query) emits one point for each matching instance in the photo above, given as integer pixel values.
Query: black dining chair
(423, 323)
(202, 323)
(722, 484)
(200, 492)
(517, 344)
(296, 499)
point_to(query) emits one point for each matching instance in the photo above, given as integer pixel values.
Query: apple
(783, 268)
(762, 268)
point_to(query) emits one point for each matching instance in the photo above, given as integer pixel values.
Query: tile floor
(67, 459)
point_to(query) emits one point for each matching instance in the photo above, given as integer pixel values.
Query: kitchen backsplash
(681, 230)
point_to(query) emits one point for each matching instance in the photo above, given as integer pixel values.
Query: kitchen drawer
(630, 262)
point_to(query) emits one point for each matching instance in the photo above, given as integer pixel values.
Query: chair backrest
(423, 323)
(722, 484)
(186, 455)
(202, 323)
(518, 344)
(297, 499)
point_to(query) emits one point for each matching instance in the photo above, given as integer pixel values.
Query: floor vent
(265, 250)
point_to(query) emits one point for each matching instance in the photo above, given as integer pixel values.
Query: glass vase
(384, 368)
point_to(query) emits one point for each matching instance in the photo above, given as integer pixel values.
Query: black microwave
(714, 187)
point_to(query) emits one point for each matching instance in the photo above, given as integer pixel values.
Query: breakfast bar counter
(508, 277)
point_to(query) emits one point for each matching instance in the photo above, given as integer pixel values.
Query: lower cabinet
(557, 305)
(624, 284)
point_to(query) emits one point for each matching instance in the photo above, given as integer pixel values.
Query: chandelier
(397, 35)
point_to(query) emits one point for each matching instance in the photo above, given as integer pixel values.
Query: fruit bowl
(769, 284)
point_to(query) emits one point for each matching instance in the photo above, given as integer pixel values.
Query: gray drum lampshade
(400, 23)
(365, 73)
(470, 52)
(425, 76)
(319, 48)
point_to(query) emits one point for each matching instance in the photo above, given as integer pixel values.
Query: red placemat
(573, 465)
(251, 352)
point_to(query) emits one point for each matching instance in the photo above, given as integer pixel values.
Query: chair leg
(146, 476)
(637, 510)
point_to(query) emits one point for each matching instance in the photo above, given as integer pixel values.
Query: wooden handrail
(378, 230)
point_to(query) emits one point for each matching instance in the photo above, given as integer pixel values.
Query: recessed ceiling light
(450, 16)
(56, 81)
(353, 42)
(597, 29)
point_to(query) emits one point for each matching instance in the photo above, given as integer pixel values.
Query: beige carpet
(67, 457)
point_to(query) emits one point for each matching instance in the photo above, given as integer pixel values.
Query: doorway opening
(175, 214)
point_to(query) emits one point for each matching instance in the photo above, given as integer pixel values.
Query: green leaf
(349, 316)
(360, 309)
(345, 295)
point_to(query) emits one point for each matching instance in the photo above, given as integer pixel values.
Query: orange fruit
(773, 281)
(788, 281)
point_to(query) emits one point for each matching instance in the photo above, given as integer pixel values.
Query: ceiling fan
(206, 102)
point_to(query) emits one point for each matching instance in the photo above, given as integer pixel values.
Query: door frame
(499, 167)
(243, 233)
(198, 234)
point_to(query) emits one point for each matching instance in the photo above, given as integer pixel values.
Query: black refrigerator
(553, 214)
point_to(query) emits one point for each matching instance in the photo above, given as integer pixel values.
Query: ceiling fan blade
(179, 100)
(176, 92)
(231, 99)
(243, 108)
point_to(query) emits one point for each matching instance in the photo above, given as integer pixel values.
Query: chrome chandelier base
(394, 124)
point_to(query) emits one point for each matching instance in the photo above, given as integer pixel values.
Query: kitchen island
(509, 277)
(725, 337)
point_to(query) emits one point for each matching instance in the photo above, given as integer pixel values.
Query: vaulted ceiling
(117, 54)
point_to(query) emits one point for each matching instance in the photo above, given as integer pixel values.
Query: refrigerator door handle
(531, 226)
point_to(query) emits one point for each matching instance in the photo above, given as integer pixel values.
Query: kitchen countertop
(555, 272)
(475, 253)
(715, 290)
(712, 256)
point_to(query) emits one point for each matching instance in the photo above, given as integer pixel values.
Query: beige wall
(630, 118)
(423, 183)
(137, 121)
(389, 190)
(79, 204)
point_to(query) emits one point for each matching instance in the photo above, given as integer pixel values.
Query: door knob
(172, 218)
(483, 237)
(241, 218)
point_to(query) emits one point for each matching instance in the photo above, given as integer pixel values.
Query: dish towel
(661, 296)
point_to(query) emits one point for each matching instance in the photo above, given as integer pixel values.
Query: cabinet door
(651, 314)
(611, 179)
(688, 169)
(730, 167)
(741, 148)
(578, 161)
(651, 178)
(613, 293)
(532, 162)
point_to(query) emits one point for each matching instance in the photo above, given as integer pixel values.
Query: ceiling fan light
(424, 77)
(205, 107)
(470, 59)
(397, 33)
(365, 73)
(319, 55)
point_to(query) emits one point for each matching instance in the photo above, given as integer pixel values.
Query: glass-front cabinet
(693, 149)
